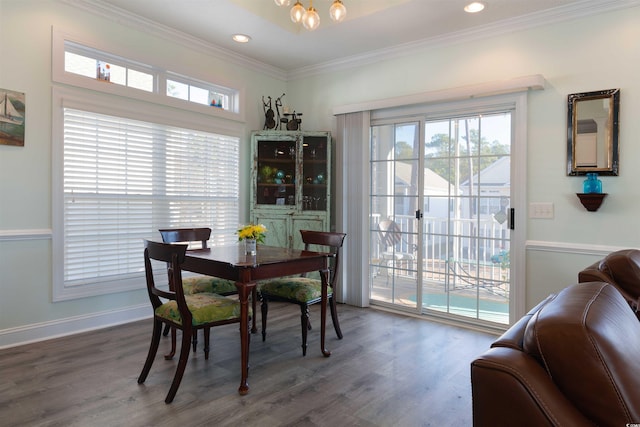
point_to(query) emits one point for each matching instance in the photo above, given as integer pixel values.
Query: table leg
(244, 290)
(254, 303)
(324, 274)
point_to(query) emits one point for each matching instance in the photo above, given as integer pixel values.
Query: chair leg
(205, 331)
(172, 353)
(334, 316)
(185, 349)
(304, 323)
(166, 330)
(195, 340)
(264, 307)
(153, 349)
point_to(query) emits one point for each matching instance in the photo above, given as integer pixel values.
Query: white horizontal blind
(124, 179)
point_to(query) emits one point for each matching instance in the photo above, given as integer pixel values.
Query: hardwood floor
(389, 370)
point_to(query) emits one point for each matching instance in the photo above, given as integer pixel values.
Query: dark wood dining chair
(188, 313)
(197, 238)
(200, 283)
(303, 290)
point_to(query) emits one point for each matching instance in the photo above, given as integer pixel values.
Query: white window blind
(124, 179)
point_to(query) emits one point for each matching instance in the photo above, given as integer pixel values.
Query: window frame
(64, 97)
(236, 113)
(516, 101)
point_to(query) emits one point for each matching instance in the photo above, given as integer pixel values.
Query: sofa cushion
(588, 341)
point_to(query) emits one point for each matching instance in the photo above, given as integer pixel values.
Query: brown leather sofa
(573, 360)
(622, 270)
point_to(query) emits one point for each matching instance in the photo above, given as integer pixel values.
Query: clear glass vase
(250, 246)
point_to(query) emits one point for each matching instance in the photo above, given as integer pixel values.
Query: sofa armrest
(510, 388)
(513, 337)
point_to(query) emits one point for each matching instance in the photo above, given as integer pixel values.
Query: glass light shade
(297, 11)
(282, 2)
(337, 11)
(311, 19)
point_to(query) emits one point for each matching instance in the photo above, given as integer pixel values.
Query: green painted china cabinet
(291, 184)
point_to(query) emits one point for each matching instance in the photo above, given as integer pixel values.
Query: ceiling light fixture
(337, 11)
(310, 18)
(297, 11)
(241, 38)
(474, 7)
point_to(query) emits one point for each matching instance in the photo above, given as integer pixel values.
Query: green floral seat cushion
(301, 289)
(205, 307)
(214, 285)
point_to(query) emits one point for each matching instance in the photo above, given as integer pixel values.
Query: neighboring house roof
(497, 174)
(433, 183)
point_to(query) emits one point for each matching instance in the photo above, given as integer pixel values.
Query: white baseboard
(72, 325)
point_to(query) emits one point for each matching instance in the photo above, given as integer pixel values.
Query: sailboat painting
(12, 112)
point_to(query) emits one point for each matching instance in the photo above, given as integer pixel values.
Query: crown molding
(500, 87)
(538, 19)
(563, 13)
(121, 16)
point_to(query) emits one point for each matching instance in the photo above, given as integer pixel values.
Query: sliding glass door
(466, 216)
(440, 200)
(394, 197)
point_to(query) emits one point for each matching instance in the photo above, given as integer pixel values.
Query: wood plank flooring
(389, 370)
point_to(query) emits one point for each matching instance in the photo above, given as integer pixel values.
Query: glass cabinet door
(276, 173)
(291, 184)
(314, 171)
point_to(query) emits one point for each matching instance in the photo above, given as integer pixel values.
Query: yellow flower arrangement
(252, 231)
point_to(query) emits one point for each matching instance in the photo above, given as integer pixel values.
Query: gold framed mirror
(592, 132)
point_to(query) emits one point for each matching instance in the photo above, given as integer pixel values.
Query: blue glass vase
(592, 184)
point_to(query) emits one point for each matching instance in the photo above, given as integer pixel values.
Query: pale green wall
(587, 54)
(583, 55)
(25, 172)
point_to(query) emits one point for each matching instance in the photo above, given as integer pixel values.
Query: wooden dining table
(232, 263)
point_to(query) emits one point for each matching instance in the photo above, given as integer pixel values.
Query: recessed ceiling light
(241, 38)
(474, 7)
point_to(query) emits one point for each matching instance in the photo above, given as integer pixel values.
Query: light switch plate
(541, 210)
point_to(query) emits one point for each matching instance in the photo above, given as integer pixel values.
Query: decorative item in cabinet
(291, 183)
(314, 165)
(276, 172)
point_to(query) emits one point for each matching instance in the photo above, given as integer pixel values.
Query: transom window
(112, 69)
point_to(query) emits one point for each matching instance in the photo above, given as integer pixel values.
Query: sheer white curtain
(352, 175)
(352, 207)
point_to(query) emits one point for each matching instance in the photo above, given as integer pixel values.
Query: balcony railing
(459, 253)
